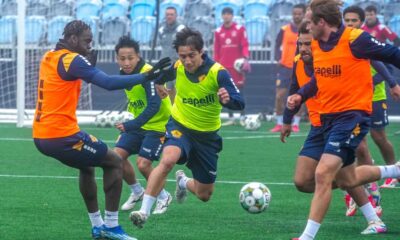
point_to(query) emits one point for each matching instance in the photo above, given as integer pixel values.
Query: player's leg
(282, 86)
(385, 146)
(150, 151)
(304, 174)
(128, 144)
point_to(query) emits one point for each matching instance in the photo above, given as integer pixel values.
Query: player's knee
(143, 164)
(166, 165)
(303, 185)
(204, 196)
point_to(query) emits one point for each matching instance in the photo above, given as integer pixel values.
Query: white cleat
(162, 205)
(180, 193)
(390, 183)
(375, 227)
(132, 200)
(138, 218)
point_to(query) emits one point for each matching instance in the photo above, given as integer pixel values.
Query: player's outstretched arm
(228, 93)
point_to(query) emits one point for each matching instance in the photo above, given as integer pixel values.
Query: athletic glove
(92, 57)
(158, 69)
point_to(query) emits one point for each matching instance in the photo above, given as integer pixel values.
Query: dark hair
(329, 10)
(127, 42)
(171, 7)
(371, 8)
(301, 6)
(357, 10)
(226, 10)
(303, 29)
(188, 37)
(75, 27)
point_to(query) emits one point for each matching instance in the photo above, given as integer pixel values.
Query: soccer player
(378, 30)
(230, 44)
(202, 88)
(56, 132)
(310, 153)
(144, 134)
(285, 51)
(343, 81)
(353, 17)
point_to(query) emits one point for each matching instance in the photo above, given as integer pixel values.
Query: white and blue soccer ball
(252, 123)
(101, 120)
(255, 197)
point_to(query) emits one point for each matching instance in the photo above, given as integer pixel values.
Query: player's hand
(293, 101)
(158, 69)
(285, 132)
(162, 91)
(120, 127)
(223, 95)
(395, 92)
(92, 57)
(246, 67)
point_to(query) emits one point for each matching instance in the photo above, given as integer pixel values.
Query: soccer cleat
(230, 122)
(390, 183)
(295, 128)
(96, 232)
(138, 218)
(132, 200)
(378, 211)
(277, 128)
(351, 206)
(116, 233)
(180, 193)
(375, 227)
(162, 205)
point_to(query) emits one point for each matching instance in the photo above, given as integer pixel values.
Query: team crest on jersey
(228, 41)
(356, 130)
(176, 133)
(202, 77)
(93, 138)
(78, 146)
(162, 140)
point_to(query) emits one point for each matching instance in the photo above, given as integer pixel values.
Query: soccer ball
(101, 120)
(238, 64)
(252, 123)
(255, 197)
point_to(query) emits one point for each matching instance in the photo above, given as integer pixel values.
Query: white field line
(98, 178)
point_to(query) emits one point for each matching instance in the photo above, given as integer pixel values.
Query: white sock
(310, 231)
(136, 188)
(390, 171)
(369, 212)
(96, 219)
(111, 219)
(296, 120)
(163, 195)
(183, 181)
(279, 119)
(147, 203)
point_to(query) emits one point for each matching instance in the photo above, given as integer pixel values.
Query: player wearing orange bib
(343, 81)
(56, 132)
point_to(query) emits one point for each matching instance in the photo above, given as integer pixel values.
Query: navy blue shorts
(199, 150)
(379, 117)
(80, 150)
(314, 144)
(344, 132)
(284, 77)
(147, 144)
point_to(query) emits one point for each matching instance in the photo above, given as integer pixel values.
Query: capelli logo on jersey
(200, 102)
(137, 104)
(330, 72)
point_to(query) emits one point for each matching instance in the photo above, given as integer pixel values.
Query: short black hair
(189, 37)
(357, 10)
(75, 27)
(227, 10)
(371, 8)
(127, 42)
(301, 6)
(303, 29)
(171, 7)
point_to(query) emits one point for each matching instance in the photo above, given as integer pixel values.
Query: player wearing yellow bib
(144, 135)
(203, 87)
